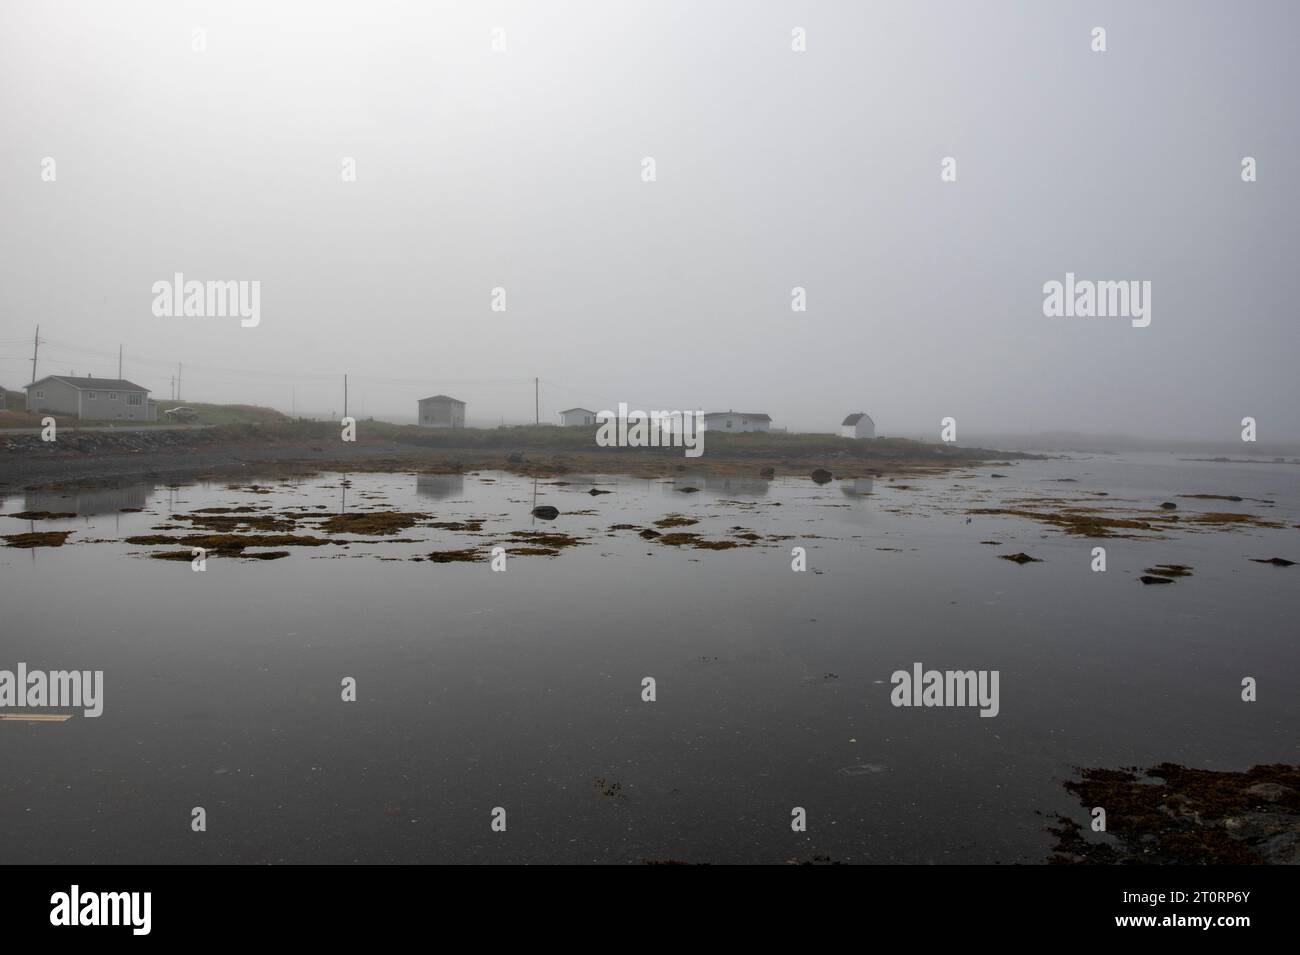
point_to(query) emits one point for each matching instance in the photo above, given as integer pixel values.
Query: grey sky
(775, 169)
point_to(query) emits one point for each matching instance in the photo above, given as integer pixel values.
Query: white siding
(865, 428)
(734, 423)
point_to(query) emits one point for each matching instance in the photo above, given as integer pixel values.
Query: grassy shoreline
(306, 446)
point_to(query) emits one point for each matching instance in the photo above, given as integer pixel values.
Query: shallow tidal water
(478, 689)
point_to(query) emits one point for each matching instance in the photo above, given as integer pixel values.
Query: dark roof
(569, 410)
(442, 398)
(92, 384)
(741, 414)
(855, 418)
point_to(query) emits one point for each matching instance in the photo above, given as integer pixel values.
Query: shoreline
(106, 458)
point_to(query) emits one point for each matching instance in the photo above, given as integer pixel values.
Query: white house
(95, 399)
(574, 417)
(858, 425)
(441, 411)
(736, 421)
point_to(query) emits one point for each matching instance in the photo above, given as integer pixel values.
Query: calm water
(523, 689)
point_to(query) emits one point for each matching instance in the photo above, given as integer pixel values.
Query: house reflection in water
(87, 501)
(857, 487)
(732, 484)
(723, 485)
(439, 486)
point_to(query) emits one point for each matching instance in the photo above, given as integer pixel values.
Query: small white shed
(858, 425)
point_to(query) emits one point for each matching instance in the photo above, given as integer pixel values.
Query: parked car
(181, 414)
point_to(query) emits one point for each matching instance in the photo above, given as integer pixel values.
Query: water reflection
(723, 485)
(733, 484)
(89, 501)
(439, 486)
(856, 487)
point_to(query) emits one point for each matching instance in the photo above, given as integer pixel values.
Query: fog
(522, 169)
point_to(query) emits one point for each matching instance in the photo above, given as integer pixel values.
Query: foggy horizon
(522, 170)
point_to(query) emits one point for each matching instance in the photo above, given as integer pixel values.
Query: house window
(40, 394)
(113, 396)
(92, 395)
(135, 399)
(728, 422)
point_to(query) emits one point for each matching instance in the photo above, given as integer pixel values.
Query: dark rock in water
(1021, 558)
(595, 490)
(1170, 570)
(767, 473)
(1275, 561)
(1169, 506)
(688, 490)
(546, 512)
(1269, 792)
(997, 475)
(1151, 579)
(822, 476)
(648, 534)
(514, 457)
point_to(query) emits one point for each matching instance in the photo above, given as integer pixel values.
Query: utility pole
(36, 346)
(537, 407)
(179, 369)
(173, 387)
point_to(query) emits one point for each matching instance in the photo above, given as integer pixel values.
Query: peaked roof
(742, 414)
(443, 398)
(855, 418)
(92, 384)
(571, 410)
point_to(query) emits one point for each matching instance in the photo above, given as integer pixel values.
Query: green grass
(225, 414)
(14, 415)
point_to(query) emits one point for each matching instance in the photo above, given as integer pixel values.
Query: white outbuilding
(858, 425)
(576, 417)
(737, 421)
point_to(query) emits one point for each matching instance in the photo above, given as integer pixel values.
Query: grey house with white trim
(442, 411)
(91, 399)
(576, 417)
